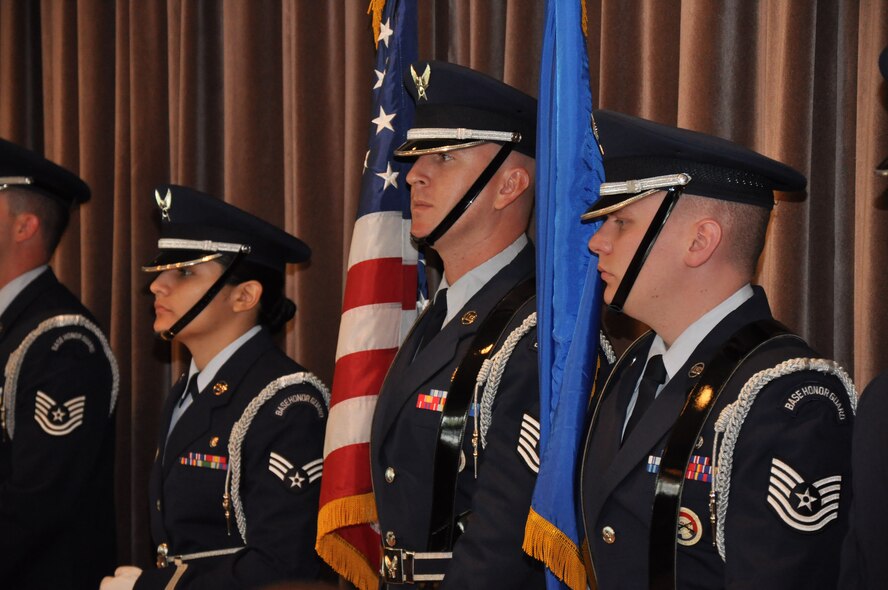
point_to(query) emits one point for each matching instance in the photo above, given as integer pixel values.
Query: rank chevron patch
(59, 419)
(528, 441)
(295, 478)
(806, 507)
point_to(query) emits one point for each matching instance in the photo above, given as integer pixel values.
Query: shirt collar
(470, 283)
(209, 373)
(12, 289)
(680, 351)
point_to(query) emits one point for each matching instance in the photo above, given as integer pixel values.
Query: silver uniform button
(390, 474)
(390, 539)
(157, 505)
(608, 535)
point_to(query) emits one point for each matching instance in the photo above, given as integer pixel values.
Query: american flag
(379, 307)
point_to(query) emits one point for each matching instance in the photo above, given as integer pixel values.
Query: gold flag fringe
(341, 555)
(545, 542)
(375, 9)
(585, 18)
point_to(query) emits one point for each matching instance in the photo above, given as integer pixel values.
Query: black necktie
(654, 376)
(191, 391)
(436, 318)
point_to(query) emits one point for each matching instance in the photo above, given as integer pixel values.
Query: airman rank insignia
(296, 479)
(59, 419)
(806, 507)
(689, 529)
(529, 441)
(204, 460)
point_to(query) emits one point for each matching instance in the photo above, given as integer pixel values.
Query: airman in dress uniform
(235, 485)
(453, 470)
(864, 566)
(58, 388)
(718, 453)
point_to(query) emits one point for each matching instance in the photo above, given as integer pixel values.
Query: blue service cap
(197, 227)
(642, 157)
(457, 107)
(24, 169)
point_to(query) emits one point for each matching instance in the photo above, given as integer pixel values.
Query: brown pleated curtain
(266, 103)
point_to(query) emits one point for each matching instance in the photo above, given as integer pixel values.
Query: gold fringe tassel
(545, 542)
(375, 9)
(342, 556)
(585, 18)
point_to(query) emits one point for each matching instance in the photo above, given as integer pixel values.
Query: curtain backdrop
(265, 103)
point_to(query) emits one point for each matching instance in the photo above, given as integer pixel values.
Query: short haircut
(53, 215)
(743, 225)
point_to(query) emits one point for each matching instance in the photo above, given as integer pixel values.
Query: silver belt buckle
(397, 566)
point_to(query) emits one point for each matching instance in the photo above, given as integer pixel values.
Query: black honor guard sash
(456, 410)
(683, 438)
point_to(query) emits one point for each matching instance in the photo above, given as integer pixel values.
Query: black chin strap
(207, 297)
(644, 248)
(467, 199)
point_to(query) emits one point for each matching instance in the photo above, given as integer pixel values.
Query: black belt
(683, 438)
(400, 566)
(455, 414)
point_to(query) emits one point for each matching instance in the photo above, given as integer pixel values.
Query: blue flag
(568, 174)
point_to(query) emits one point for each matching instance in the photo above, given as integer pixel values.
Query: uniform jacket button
(608, 535)
(157, 505)
(390, 474)
(390, 539)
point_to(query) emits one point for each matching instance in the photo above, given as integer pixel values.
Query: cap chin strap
(645, 247)
(198, 307)
(463, 204)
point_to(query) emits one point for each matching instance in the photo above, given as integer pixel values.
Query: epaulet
(490, 375)
(239, 432)
(731, 419)
(17, 359)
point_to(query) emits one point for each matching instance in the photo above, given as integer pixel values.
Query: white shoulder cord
(607, 348)
(489, 377)
(17, 359)
(239, 431)
(730, 421)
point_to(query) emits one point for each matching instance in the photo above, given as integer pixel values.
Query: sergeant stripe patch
(528, 441)
(59, 419)
(806, 507)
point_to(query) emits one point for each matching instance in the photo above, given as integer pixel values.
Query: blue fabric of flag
(569, 173)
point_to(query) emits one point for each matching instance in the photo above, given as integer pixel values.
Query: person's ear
(706, 239)
(246, 295)
(24, 227)
(516, 181)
